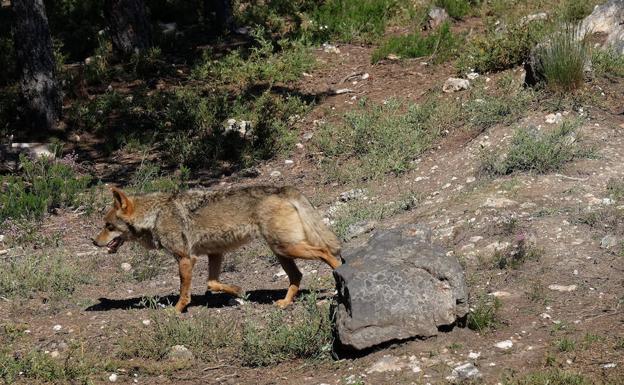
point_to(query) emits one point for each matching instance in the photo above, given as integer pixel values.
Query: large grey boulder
(607, 21)
(397, 286)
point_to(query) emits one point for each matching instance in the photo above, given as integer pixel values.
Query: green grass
(38, 366)
(41, 185)
(55, 276)
(483, 315)
(574, 10)
(204, 335)
(536, 152)
(607, 63)
(560, 61)
(496, 51)
(517, 256)
(549, 377)
(457, 9)
(352, 20)
(309, 336)
(565, 345)
(148, 177)
(440, 44)
(381, 139)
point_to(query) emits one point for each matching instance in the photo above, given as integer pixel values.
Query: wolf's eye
(110, 227)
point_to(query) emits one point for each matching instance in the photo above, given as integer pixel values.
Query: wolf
(201, 222)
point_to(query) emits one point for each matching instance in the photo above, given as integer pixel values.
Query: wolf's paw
(283, 303)
(181, 306)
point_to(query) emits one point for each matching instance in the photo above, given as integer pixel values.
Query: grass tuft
(483, 315)
(457, 9)
(550, 377)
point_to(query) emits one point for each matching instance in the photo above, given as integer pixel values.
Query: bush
(496, 51)
(531, 151)
(560, 61)
(550, 377)
(574, 10)
(441, 44)
(382, 139)
(483, 314)
(456, 9)
(607, 63)
(308, 337)
(352, 20)
(43, 184)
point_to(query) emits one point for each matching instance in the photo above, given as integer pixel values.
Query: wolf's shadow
(210, 300)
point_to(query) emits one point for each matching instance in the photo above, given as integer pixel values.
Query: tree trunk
(224, 19)
(35, 59)
(129, 26)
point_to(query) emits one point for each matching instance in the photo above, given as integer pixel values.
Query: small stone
(474, 355)
(146, 322)
(498, 203)
(365, 76)
(236, 301)
(126, 266)
(280, 273)
(562, 288)
(470, 179)
(608, 241)
(455, 84)
(1, 237)
(393, 57)
(299, 146)
(57, 328)
(554, 118)
(386, 364)
(500, 294)
(466, 371)
(507, 344)
(476, 238)
(545, 316)
(353, 194)
(289, 161)
(472, 75)
(55, 354)
(356, 229)
(609, 365)
(275, 174)
(180, 353)
(112, 377)
(437, 16)
(330, 48)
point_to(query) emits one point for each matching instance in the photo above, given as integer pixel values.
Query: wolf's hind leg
(214, 269)
(185, 265)
(294, 276)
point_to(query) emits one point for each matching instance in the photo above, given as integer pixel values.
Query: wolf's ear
(122, 202)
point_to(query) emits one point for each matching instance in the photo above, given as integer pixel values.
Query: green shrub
(574, 10)
(352, 20)
(441, 44)
(308, 336)
(382, 139)
(607, 63)
(148, 177)
(43, 184)
(483, 314)
(56, 276)
(550, 377)
(203, 334)
(496, 51)
(530, 151)
(560, 61)
(456, 9)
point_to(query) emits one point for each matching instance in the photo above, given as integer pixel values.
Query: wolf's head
(117, 228)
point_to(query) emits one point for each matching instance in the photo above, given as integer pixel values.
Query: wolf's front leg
(185, 265)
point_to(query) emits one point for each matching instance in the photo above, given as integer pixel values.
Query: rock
(472, 76)
(466, 371)
(455, 84)
(1, 237)
(289, 161)
(126, 266)
(356, 229)
(356, 193)
(500, 294)
(146, 322)
(562, 288)
(397, 286)
(393, 57)
(112, 377)
(507, 344)
(554, 118)
(180, 353)
(606, 23)
(436, 16)
(275, 174)
(330, 48)
(608, 241)
(474, 355)
(55, 354)
(57, 328)
(609, 365)
(470, 179)
(35, 150)
(498, 203)
(168, 28)
(386, 364)
(534, 17)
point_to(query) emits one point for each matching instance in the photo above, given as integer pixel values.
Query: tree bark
(129, 26)
(224, 18)
(35, 59)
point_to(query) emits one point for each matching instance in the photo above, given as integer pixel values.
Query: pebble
(112, 377)
(57, 328)
(466, 371)
(474, 355)
(146, 322)
(507, 344)
(562, 288)
(275, 174)
(386, 364)
(126, 266)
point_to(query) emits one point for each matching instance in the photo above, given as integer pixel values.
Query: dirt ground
(471, 217)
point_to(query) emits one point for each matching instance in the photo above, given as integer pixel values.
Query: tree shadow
(209, 300)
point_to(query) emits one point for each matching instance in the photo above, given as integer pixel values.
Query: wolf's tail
(317, 233)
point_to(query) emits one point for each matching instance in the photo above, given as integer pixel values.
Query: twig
(571, 177)
(217, 367)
